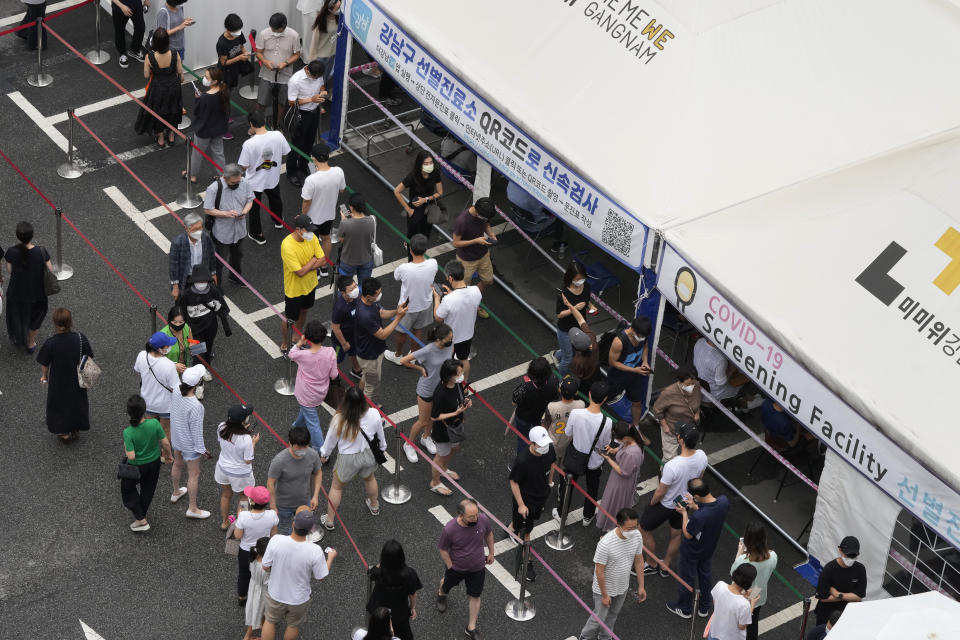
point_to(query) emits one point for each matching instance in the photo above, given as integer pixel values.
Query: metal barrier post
(249, 92)
(98, 56)
(69, 168)
(153, 319)
(284, 386)
(39, 79)
(693, 611)
(189, 200)
(558, 540)
(396, 493)
(520, 609)
(62, 270)
(363, 623)
(803, 618)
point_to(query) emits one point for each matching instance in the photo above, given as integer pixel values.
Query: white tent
(779, 146)
(925, 616)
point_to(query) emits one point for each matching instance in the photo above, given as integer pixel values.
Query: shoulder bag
(437, 213)
(88, 371)
(231, 546)
(292, 120)
(150, 367)
(335, 394)
(575, 461)
(127, 471)
(374, 247)
(455, 430)
(378, 454)
(50, 283)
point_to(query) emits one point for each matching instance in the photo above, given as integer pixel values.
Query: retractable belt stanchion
(62, 270)
(521, 609)
(189, 200)
(39, 79)
(558, 540)
(97, 56)
(69, 168)
(396, 493)
(693, 611)
(249, 91)
(803, 618)
(284, 386)
(153, 319)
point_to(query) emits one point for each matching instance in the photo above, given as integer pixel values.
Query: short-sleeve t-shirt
(470, 227)
(678, 472)
(705, 525)
(344, 314)
(392, 591)
(314, 371)
(416, 283)
(530, 471)
(295, 254)
(294, 477)
(144, 440)
(277, 48)
(368, 322)
(534, 400)
(158, 379)
(170, 20)
(234, 453)
(559, 412)
(466, 544)
(423, 188)
(729, 611)
(569, 322)
(445, 400)
(843, 579)
(617, 555)
(431, 358)
(262, 155)
(228, 230)
(292, 564)
(458, 309)
(322, 190)
(357, 235)
(255, 525)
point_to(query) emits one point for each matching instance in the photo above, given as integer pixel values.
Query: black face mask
(446, 344)
(471, 524)
(233, 186)
(176, 327)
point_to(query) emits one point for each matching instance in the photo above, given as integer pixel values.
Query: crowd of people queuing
(561, 420)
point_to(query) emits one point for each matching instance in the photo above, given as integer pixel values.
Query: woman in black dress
(68, 411)
(395, 587)
(26, 297)
(163, 70)
(425, 189)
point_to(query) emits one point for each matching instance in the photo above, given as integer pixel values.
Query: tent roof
(747, 96)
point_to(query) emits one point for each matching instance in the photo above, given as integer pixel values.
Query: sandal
(441, 490)
(373, 512)
(453, 474)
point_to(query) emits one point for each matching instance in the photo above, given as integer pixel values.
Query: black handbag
(50, 283)
(378, 453)
(575, 461)
(127, 471)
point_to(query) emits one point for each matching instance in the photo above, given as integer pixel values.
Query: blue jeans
(691, 567)
(523, 427)
(362, 271)
(566, 352)
(286, 520)
(309, 418)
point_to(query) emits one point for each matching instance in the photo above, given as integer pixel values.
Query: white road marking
(25, 105)
(496, 569)
(97, 106)
(243, 321)
(53, 8)
(89, 633)
(781, 617)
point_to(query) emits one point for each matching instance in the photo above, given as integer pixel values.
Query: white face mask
(201, 287)
(355, 293)
(427, 168)
(630, 535)
(299, 452)
(459, 379)
(207, 82)
(688, 388)
(195, 235)
(544, 450)
(579, 283)
(236, 34)
(308, 235)
(165, 350)
(379, 295)
(847, 562)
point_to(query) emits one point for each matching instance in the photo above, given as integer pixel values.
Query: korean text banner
(811, 403)
(478, 125)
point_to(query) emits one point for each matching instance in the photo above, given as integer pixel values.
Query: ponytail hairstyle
(257, 550)
(440, 332)
(24, 235)
(229, 429)
(223, 91)
(185, 388)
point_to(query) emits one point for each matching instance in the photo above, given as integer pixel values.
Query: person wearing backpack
(228, 200)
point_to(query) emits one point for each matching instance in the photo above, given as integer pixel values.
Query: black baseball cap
(239, 412)
(850, 546)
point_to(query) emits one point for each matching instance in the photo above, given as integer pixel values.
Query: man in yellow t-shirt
(302, 255)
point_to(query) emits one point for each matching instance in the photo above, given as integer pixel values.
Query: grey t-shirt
(431, 357)
(293, 476)
(170, 20)
(357, 234)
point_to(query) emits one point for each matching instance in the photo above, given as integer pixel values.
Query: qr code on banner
(617, 232)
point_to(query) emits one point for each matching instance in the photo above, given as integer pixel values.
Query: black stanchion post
(275, 89)
(693, 617)
(97, 56)
(153, 319)
(39, 79)
(520, 609)
(62, 270)
(188, 199)
(363, 621)
(558, 540)
(396, 493)
(803, 618)
(284, 386)
(69, 168)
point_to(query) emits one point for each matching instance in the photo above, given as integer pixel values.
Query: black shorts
(323, 229)
(293, 306)
(521, 525)
(656, 514)
(430, 399)
(632, 383)
(472, 579)
(461, 350)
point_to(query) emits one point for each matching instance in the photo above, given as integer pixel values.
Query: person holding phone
(371, 334)
(357, 233)
(473, 236)
(733, 604)
(629, 360)
(752, 549)
(449, 404)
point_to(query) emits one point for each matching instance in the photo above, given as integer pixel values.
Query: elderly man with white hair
(228, 200)
(192, 247)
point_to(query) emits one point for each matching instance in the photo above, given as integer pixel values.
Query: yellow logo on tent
(949, 278)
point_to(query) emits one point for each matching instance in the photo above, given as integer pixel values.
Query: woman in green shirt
(147, 447)
(753, 550)
(179, 330)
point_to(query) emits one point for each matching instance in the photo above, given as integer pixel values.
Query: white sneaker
(182, 492)
(410, 452)
(207, 376)
(139, 527)
(123, 61)
(392, 357)
(198, 515)
(315, 536)
(429, 445)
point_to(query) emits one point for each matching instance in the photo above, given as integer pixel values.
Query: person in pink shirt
(316, 367)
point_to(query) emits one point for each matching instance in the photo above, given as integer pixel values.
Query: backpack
(208, 223)
(606, 340)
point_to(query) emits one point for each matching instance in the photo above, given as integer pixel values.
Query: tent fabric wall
(848, 504)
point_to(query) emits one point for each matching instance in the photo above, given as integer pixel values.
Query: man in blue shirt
(703, 517)
(370, 333)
